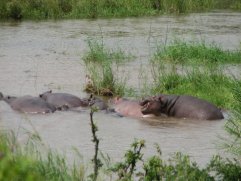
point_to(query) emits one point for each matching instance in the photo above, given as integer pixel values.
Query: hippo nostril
(143, 102)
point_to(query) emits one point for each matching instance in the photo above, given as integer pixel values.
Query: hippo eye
(8, 97)
(40, 95)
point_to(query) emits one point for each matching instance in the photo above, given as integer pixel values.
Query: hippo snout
(144, 106)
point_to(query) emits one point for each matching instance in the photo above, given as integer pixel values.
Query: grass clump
(228, 4)
(207, 83)
(28, 164)
(196, 53)
(233, 126)
(14, 165)
(102, 67)
(45, 9)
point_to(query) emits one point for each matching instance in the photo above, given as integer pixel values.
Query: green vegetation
(196, 53)
(58, 9)
(209, 84)
(233, 126)
(228, 4)
(102, 65)
(195, 69)
(17, 164)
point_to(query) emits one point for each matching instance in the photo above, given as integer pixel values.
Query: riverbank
(76, 9)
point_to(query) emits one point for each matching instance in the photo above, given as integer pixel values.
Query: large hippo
(183, 106)
(63, 100)
(28, 104)
(126, 107)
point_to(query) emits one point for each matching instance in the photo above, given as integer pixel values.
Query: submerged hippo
(97, 102)
(63, 100)
(28, 104)
(125, 107)
(183, 106)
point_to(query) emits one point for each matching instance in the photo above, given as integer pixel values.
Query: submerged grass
(56, 9)
(196, 53)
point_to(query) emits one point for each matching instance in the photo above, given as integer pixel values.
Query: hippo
(63, 100)
(181, 106)
(126, 107)
(97, 102)
(28, 104)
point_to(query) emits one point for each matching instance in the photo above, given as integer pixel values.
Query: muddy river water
(38, 56)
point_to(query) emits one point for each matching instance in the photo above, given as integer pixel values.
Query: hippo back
(130, 108)
(192, 107)
(29, 104)
(61, 99)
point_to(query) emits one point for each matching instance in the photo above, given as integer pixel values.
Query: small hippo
(28, 104)
(63, 100)
(125, 107)
(183, 106)
(97, 102)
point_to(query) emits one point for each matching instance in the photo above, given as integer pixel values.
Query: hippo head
(45, 94)
(9, 99)
(153, 105)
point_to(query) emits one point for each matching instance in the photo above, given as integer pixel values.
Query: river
(43, 55)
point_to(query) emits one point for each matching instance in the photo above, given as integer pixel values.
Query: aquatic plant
(195, 53)
(102, 65)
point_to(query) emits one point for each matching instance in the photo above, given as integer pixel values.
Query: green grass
(196, 53)
(59, 9)
(102, 66)
(209, 84)
(26, 163)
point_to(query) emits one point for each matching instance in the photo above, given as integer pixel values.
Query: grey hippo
(181, 106)
(97, 102)
(28, 104)
(63, 100)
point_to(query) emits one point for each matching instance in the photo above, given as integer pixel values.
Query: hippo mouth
(145, 106)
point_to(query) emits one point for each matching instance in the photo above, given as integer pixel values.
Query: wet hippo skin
(183, 106)
(60, 100)
(28, 104)
(125, 107)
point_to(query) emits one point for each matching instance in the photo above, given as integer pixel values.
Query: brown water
(37, 56)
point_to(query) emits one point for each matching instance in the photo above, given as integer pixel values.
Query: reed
(59, 9)
(102, 67)
(196, 53)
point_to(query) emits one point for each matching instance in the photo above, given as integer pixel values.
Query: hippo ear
(91, 97)
(160, 98)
